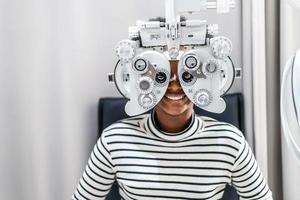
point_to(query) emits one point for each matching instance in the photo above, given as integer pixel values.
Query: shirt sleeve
(98, 176)
(247, 178)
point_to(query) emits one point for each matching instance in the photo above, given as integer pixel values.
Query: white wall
(54, 57)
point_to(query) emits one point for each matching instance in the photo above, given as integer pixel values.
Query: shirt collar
(194, 126)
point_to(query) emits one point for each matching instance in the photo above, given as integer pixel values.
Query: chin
(175, 110)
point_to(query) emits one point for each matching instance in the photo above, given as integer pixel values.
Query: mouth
(175, 97)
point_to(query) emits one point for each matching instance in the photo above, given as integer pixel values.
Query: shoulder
(125, 126)
(211, 126)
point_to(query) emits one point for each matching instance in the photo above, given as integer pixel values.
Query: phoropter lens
(161, 77)
(140, 65)
(187, 77)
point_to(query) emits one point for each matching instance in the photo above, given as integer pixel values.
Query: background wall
(54, 57)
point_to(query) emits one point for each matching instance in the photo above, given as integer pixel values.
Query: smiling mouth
(175, 97)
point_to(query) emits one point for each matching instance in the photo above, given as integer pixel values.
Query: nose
(173, 77)
(174, 84)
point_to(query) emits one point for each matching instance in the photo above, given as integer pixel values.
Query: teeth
(175, 97)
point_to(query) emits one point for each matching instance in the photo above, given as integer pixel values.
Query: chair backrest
(111, 110)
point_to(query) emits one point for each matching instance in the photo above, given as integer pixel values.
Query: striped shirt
(196, 163)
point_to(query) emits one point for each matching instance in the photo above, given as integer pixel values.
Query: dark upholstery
(112, 109)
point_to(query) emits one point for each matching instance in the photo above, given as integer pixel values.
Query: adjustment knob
(147, 101)
(145, 85)
(210, 67)
(202, 98)
(221, 47)
(125, 50)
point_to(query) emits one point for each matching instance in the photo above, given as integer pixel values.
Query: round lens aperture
(187, 77)
(140, 65)
(161, 77)
(144, 85)
(191, 62)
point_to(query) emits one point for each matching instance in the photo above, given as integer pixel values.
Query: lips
(175, 97)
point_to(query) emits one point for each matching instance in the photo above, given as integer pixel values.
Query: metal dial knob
(221, 47)
(125, 50)
(147, 101)
(210, 67)
(145, 85)
(202, 98)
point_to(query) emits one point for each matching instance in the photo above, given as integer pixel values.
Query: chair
(111, 110)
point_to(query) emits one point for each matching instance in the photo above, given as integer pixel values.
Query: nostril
(174, 86)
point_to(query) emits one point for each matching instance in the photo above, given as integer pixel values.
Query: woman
(172, 154)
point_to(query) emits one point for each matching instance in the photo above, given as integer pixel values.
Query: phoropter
(205, 70)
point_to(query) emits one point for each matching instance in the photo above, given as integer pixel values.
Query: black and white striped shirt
(150, 164)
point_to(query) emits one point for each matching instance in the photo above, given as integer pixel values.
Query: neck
(173, 124)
